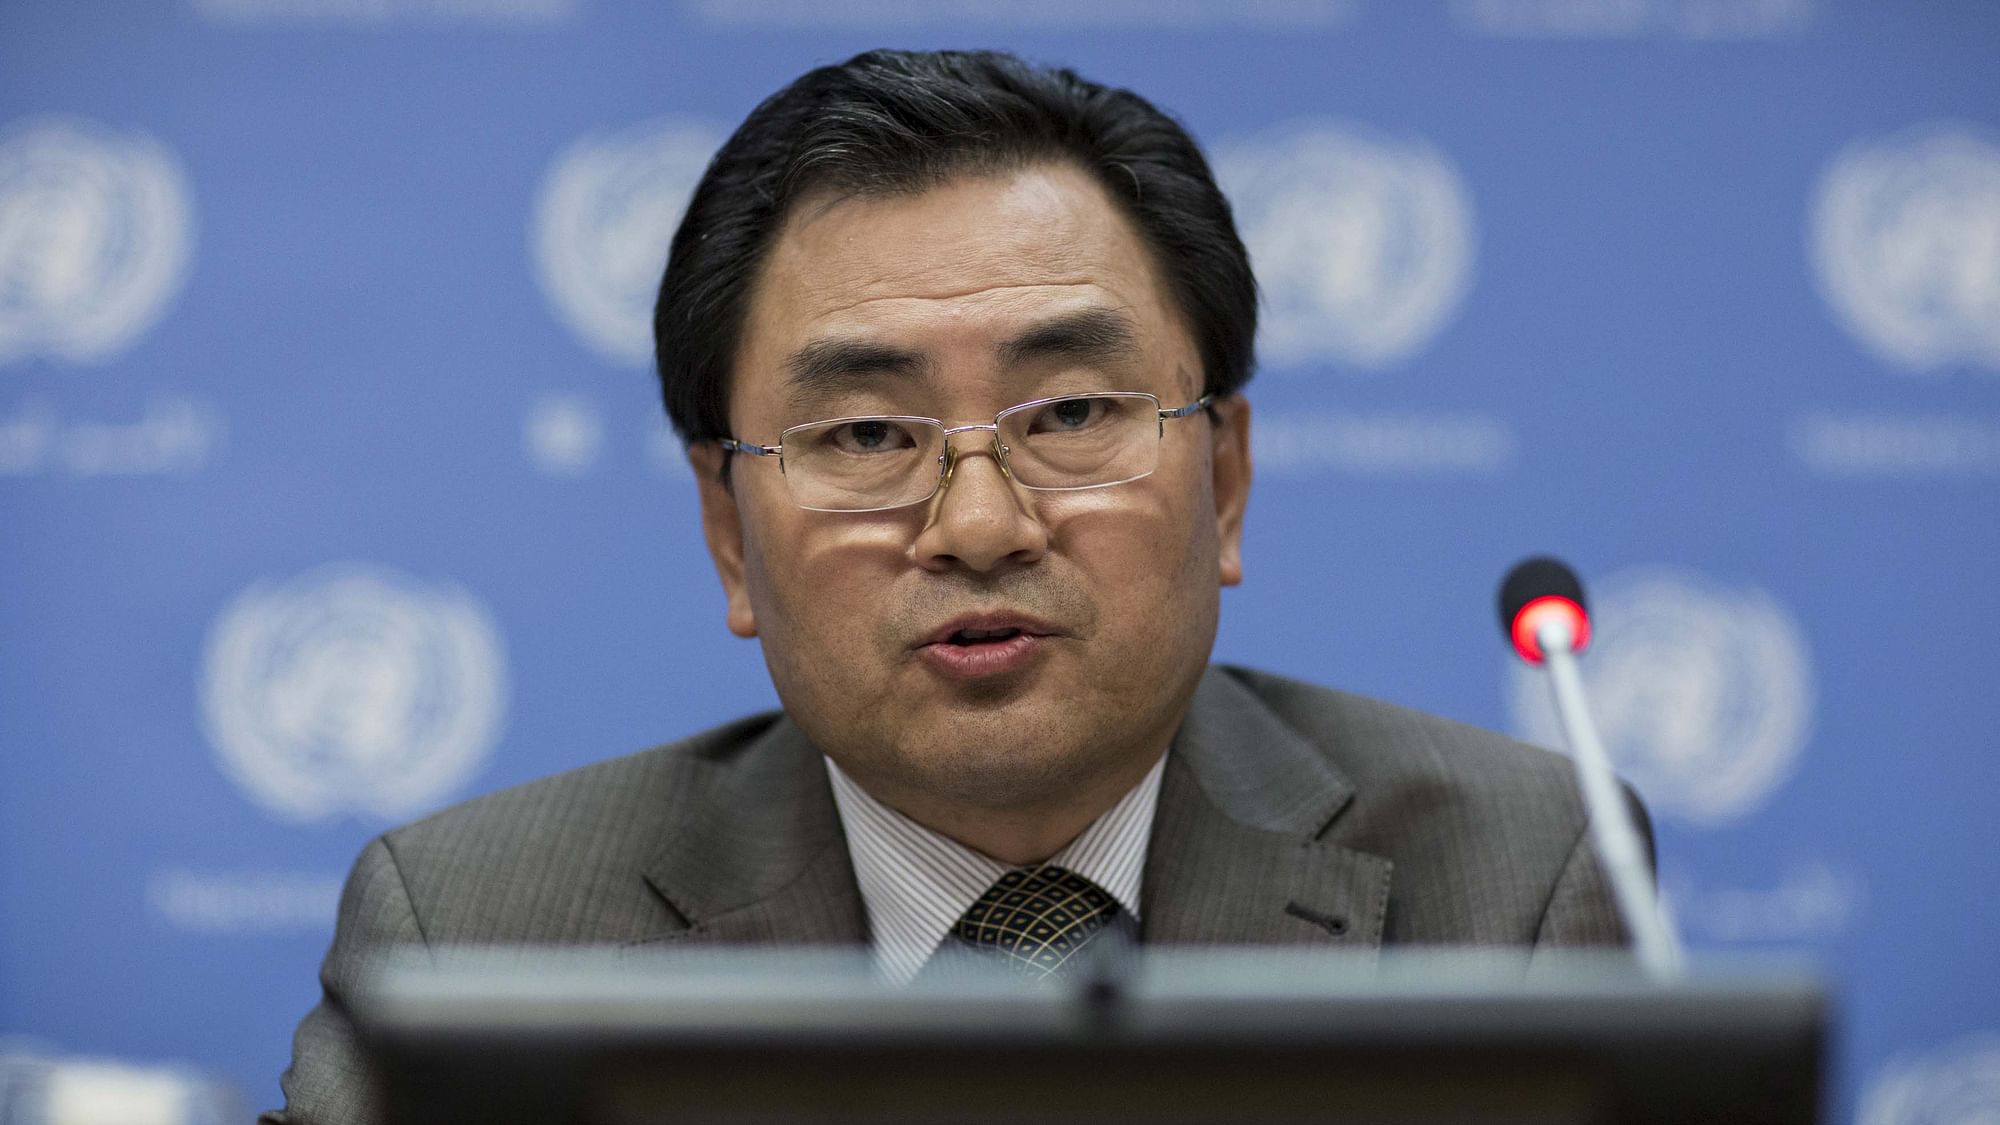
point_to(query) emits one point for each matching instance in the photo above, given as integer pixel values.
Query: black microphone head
(1539, 577)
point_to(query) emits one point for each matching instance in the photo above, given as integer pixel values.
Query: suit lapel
(755, 852)
(1239, 853)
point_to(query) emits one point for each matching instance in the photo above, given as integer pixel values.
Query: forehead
(948, 275)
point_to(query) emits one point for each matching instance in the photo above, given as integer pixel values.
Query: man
(957, 347)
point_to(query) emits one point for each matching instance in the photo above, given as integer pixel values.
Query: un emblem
(1905, 235)
(1958, 1086)
(95, 229)
(606, 216)
(1363, 243)
(352, 689)
(1703, 694)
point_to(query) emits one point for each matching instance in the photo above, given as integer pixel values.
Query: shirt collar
(916, 883)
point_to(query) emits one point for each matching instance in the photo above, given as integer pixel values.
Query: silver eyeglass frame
(948, 459)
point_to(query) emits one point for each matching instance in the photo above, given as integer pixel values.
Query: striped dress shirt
(915, 883)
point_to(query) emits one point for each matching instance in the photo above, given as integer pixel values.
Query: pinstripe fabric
(916, 883)
(1284, 814)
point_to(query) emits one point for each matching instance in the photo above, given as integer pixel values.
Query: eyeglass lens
(1079, 441)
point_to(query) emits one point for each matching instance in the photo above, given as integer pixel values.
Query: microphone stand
(1611, 828)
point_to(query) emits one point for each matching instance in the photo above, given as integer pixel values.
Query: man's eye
(1070, 414)
(870, 436)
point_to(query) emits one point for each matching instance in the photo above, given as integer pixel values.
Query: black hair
(889, 122)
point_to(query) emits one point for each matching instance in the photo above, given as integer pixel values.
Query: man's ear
(1231, 464)
(722, 526)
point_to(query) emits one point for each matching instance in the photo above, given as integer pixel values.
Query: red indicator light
(1528, 624)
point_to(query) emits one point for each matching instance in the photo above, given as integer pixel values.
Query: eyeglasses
(1061, 444)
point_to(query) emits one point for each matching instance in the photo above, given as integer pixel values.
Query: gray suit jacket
(1288, 815)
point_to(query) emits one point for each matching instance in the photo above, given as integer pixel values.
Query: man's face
(955, 303)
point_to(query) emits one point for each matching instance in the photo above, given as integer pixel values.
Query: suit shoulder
(586, 795)
(1385, 747)
(532, 862)
(1480, 828)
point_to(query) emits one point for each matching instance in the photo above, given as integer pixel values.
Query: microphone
(1545, 617)
(1538, 591)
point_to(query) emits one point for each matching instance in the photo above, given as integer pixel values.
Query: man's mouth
(965, 637)
(987, 628)
(976, 647)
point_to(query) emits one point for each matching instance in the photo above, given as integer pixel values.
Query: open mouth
(981, 648)
(966, 637)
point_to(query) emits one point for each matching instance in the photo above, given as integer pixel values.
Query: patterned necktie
(1038, 918)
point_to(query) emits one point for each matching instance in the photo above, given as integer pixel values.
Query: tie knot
(1038, 918)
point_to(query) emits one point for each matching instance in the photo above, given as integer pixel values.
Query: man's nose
(980, 519)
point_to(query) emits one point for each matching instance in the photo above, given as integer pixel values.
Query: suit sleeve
(1581, 909)
(326, 1083)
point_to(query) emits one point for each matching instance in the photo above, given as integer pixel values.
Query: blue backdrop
(333, 486)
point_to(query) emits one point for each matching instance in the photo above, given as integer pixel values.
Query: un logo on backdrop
(1704, 693)
(352, 689)
(95, 230)
(1958, 1086)
(606, 216)
(1905, 235)
(1363, 243)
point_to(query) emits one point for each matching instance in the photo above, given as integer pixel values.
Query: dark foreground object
(1210, 1036)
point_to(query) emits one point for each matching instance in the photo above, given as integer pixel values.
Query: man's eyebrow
(825, 365)
(1099, 333)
